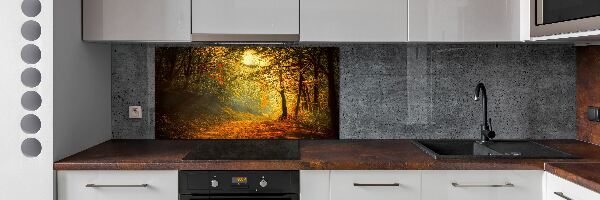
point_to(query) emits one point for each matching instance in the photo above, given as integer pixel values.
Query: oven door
(552, 17)
(240, 197)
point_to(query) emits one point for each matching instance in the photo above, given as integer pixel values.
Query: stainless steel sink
(495, 149)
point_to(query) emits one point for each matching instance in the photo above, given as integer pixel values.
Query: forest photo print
(247, 92)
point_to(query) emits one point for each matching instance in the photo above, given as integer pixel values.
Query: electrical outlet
(135, 112)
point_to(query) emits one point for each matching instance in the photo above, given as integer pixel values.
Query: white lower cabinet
(482, 185)
(117, 185)
(341, 185)
(375, 185)
(314, 184)
(560, 189)
(421, 185)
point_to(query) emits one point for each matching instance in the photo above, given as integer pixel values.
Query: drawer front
(482, 184)
(375, 185)
(560, 189)
(116, 185)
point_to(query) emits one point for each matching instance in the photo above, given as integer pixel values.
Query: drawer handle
(560, 194)
(116, 186)
(493, 185)
(376, 184)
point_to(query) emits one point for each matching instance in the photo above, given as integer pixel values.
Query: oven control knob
(214, 183)
(263, 183)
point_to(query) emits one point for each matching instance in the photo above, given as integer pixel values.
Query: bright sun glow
(250, 58)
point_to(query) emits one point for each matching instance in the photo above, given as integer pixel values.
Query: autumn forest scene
(247, 92)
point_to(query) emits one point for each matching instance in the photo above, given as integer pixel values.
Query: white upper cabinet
(136, 20)
(307, 20)
(353, 20)
(245, 20)
(468, 20)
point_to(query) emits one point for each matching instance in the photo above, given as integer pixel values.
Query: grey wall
(133, 85)
(409, 91)
(82, 84)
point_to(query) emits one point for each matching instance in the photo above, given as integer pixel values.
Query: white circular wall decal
(31, 147)
(31, 124)
(31, 100)
(31, 8)
(31, 30)
(31, 54)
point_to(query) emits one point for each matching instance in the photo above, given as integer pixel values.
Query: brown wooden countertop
(314, 154)
(584, 174)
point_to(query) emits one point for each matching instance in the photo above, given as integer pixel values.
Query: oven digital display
(239, 180)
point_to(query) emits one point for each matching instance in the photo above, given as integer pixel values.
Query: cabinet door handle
(115, 186)
(376, 184)
(560, 194)
(491, 185)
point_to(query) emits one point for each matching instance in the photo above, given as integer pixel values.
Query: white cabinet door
(560, 189)
(314, 185)
(375, 185)
(117, 185)
(353, 20)
(212, 19)
(468, 20)
(482, 185)
(136, 20)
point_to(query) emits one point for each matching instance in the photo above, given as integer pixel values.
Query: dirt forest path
(250, 129)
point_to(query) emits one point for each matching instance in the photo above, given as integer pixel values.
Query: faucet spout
(483, 97)
(480, 94)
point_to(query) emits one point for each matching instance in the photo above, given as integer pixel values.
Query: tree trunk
(315, 84)
(172, 65)
(305, 96)
(188, 69)
(300, 81)
(332, 99)
(283, 100)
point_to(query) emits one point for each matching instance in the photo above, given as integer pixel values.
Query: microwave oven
(554, 17)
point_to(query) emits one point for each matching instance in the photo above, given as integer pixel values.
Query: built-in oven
(552, 17)
(240, 197)
(238, 185)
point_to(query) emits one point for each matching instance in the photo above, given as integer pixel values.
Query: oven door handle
(249, 197)
(192, 197)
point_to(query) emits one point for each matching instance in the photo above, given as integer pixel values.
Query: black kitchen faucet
(486, 129)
